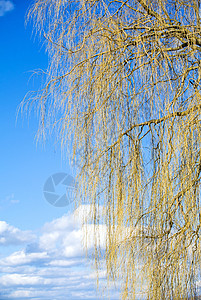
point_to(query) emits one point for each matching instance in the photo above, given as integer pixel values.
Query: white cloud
(10, 235)
(21, 258)
(56, 294)
(64, 262)
(63, 234)
(66, 234)
(53, 266)
(5, 6)
(18, 279)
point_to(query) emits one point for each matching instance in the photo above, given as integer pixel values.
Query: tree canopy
(123, 92)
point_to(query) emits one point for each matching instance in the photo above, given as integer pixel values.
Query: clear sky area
(41, 254)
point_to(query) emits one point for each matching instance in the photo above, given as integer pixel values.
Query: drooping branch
(124, 84)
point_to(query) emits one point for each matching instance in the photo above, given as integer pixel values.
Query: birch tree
(122, 92)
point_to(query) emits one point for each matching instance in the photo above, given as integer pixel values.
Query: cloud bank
(10, 235)
(5, 6)
(52, 265)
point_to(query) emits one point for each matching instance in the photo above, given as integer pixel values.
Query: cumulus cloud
(53, 266)
(64, 262)
(63, 234)
(21, 258)
(10, 235)
(18, 279)
(67, 234)
(5, 6)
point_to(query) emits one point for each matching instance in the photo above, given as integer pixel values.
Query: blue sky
(41, 254)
